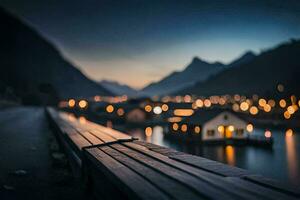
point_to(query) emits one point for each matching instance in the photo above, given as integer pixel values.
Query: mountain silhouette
(117, 88)
(261, 75)
(32, 65)
(197, 70)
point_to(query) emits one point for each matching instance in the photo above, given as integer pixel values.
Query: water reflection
(281, 162)
(291, 155)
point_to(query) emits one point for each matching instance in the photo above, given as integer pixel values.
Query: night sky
(136, 42)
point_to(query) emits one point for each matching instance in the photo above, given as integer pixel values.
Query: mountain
(197, 70)
(246, 57)
(261, 75)
(32, 66)
(117, 88)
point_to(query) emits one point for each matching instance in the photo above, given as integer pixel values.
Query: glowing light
(282, 103)
(183, 127)
(183, 112)
(249, 128)
(222, 101)
(272, 103)
(83, 103)
(289, 133)
(148, 108)
(197, 129)
(175, 126)
(244, 106)
(291, 110)
(262, 102)
(157, 110)
(267, 108)
(187, 98)
(174, 119)
(120, 111)
(199, 103)
(231, 128)
(299, 103)
(148, 131)
(235, 107)
(253, 110)
(207, 103)
(221, 129)
(286, 115)
(165, 107)
(71, 103)
(280, 87)
(268, 134)
(110, 108)
(97, 98)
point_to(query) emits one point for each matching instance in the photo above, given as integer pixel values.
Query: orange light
(282, 103)
(197, 129)
(207, 103)
(231, 128)
(174, 119)
(183, 127)
(244, 106)
(109, 108)
(272, 102)
(148, 131)
(253, 110)
(175, 126)
(120, 112)
(221, 129)
(249, 128)
(289, 133)
(199, 103)
(83, 103)
(71, 103)
(286, 115)
(165, 107)
(262, 102)
(291, 110)
(267, 108)
(148, 108)
(187, 98)
(268, 134)
(183, 112)
(97, 98)
(235, 107)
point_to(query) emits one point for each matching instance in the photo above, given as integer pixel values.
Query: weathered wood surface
(120, 167)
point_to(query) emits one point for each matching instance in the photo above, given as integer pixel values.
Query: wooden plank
(113, 133)
(79, 141)
(128, 181)
(199, 186)
(273, 184)
(159, 149)
(168, 185)
(91, 138)
(210, 165)
(258, 190)
(102, 136)
(211, 178)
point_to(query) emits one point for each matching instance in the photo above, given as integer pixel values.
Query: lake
(282, 162)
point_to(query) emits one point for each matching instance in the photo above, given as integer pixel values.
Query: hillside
(261, 75)
(32, 66)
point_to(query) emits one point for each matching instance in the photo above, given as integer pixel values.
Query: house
(212, 124)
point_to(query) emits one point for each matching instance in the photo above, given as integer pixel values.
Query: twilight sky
(137, 42)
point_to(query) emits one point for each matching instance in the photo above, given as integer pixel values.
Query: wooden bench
(126, 168)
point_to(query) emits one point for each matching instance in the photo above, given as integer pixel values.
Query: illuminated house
(211, 124)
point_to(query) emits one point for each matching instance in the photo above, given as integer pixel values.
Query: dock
(114, 165)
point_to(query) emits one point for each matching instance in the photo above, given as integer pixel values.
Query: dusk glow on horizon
(137, 42)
